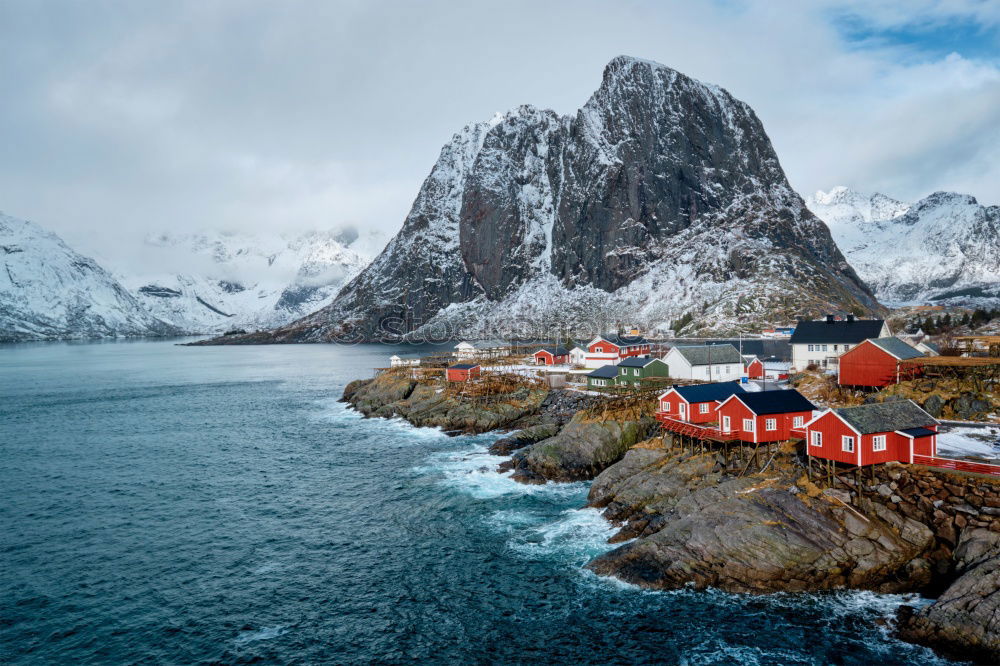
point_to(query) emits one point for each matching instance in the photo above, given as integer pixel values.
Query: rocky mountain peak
(662, 196)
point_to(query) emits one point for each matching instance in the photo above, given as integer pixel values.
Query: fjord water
(169, 504)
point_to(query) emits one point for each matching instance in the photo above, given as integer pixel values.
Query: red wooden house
(551, 356)
(755, 369)
(463, 372)
(875, 362)
(606, 349)
(872, 434)
(696, 403)
(767, 416)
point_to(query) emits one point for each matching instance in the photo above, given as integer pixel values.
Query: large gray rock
(581, 450)
(759, 533)
(965, 619)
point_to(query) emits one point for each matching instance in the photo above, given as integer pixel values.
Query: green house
(632, 371)
(602, 378)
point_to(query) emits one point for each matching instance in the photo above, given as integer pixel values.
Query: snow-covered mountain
(661, 199)
(48, 291)
(216, 282)
(943, 249)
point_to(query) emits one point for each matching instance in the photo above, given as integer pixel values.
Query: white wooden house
(715, 363)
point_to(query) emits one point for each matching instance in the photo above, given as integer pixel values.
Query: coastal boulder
(522, 438)
(580, 451)
(965, 620)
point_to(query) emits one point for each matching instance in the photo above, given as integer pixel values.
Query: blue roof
(708, 392)
(918, 432)
(464, 366)
(776, 402)
(605, 372)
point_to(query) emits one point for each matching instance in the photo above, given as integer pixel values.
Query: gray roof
(624, 340)
(896, 347)
(636, 361)
(705, 354)
(886, 416)
(555, 351)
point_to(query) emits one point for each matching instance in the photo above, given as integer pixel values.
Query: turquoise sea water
(167, 504)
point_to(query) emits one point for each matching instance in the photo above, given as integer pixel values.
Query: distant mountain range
(660, 202)
(221, 282)
(49, 291)
(233, 281)
(942, 249)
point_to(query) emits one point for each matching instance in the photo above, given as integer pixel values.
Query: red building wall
(603, 346)
(547, 358)
(867, 365)
(756, 369)
(461, 374)
(834, 429)
(737, 411)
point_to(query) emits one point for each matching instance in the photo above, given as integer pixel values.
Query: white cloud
(132, 118)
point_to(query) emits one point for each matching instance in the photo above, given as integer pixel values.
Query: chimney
(850, 317)
(829, 319)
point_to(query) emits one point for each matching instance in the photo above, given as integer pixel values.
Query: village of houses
(742, 392)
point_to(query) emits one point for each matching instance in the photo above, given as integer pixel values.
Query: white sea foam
(474, 471)
(576, 536)
(341, 414)
(263, 634)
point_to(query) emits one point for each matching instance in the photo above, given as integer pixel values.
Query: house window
(824, 347)
(727, 369)
(835, 348)
(817, 439)
(797, 421)
(847, 347)
(878, 443)
(726, 426)
(703, 408)
(748, 425)
(811, 347)
(635, 371)
(771, 424)
(847, 443)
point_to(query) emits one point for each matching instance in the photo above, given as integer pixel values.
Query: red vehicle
(696, 403)
(768, 416)
(463, 372)
(872, 434)
(875, 363)
(551, 356)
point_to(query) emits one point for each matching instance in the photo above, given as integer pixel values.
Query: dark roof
(464, 366)
(886, 416)
(636, 361)
(605, 372)
(708, 392)
(624, 340)
(896, 347)
(555, 351)
(704, 354)
(836, 331)
(776, 402)
(933, 346)
(918, 432)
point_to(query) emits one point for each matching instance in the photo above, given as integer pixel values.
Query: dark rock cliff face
(662, 196)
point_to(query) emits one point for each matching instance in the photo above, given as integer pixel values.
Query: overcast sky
(124, 118)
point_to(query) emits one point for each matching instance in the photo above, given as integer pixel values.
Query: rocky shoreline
(689, 517)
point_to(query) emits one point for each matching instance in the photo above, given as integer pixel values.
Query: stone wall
(947, 502)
